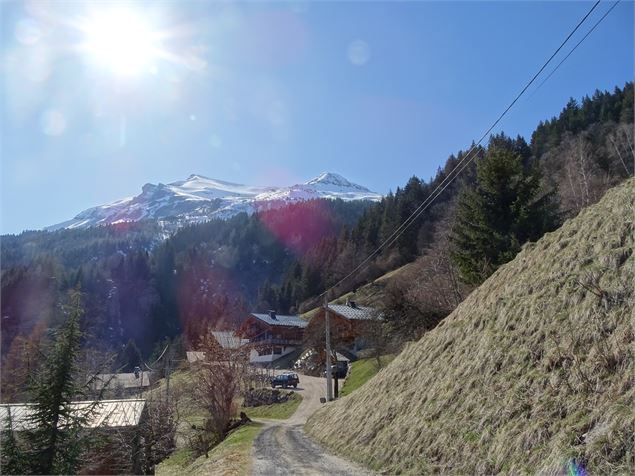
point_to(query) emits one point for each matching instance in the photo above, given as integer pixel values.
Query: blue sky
(275, 93)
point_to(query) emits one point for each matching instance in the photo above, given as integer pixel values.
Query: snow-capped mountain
(198, 199)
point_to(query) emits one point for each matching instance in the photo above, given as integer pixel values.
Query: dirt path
(283, 448)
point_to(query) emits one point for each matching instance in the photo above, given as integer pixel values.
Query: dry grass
(275, 411)
(232, 457)
(532, 371)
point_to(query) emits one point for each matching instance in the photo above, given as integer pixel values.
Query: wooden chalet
(348, 322)
(272, 336)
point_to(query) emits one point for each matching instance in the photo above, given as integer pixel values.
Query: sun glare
(120, 41)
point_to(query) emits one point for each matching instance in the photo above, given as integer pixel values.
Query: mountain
(532, 373)
(198, 199)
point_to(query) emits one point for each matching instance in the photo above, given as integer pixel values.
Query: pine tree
(55, 443)
(13, 459)
(502, 211)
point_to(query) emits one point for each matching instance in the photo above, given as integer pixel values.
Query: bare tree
(581, 181)
(377, 334)
(621, 147)
(158, 430)
(219, 381)
(18, 365)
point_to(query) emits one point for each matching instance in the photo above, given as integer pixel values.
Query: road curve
(283, 448)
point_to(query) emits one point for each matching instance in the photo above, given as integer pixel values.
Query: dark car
(285, 380)
(339, 370)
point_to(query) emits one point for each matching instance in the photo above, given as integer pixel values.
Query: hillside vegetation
(361, 372)
(580, 153)
(232, 457)
(533, 372)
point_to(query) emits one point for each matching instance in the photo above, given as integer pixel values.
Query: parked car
(339, 370)
(285, 380)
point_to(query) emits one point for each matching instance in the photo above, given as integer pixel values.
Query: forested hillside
(144, 286)
(572, 158)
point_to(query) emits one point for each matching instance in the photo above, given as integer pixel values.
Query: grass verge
(231, 457)
(361, 372)
(275, 411)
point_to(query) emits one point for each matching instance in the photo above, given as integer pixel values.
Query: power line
(150, 368)
(461, 165)
(576, 46)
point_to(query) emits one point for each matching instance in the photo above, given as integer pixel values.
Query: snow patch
(198, 199)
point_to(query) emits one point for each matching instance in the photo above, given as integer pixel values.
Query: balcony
(275, 341)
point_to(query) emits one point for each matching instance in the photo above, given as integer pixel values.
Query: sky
(99, 98)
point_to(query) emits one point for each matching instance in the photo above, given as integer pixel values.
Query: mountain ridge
(199, 198)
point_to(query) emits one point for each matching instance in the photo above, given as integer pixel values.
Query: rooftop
(106, 414)
(356, 312)
(229, 339)
(194, 356)
(125, 380)
(289, 321)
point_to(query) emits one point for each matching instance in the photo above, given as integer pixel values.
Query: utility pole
(329, 390)
(167, 374)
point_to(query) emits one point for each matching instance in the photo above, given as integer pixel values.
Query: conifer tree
(13, 460)
(55, 444)
(504, 209)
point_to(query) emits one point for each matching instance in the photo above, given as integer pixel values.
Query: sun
(120, 41)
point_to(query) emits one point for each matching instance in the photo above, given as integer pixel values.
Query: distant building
(120, 424)
(271, 336)
(194, 356)
(124, 383)
(229, 339)
(226, 339)
(106, 414)
(348, 323)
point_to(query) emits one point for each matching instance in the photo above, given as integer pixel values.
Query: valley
(182, 293)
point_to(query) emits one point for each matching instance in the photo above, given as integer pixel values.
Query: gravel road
(283, 448)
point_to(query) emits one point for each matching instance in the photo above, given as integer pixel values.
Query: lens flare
(358, 52)
(120, 41)
(575, 469)
(53, 123)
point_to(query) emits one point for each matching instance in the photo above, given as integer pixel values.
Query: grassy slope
(276, 411)
(231, 457)
(531, 370)
(361, 372)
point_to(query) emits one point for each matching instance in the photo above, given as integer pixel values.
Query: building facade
(271, 336)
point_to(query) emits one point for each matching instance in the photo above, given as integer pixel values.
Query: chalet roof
(106, 414)
(289, 321)
(229, 339)
(195, 356)
(354, 313)
(125, 380)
